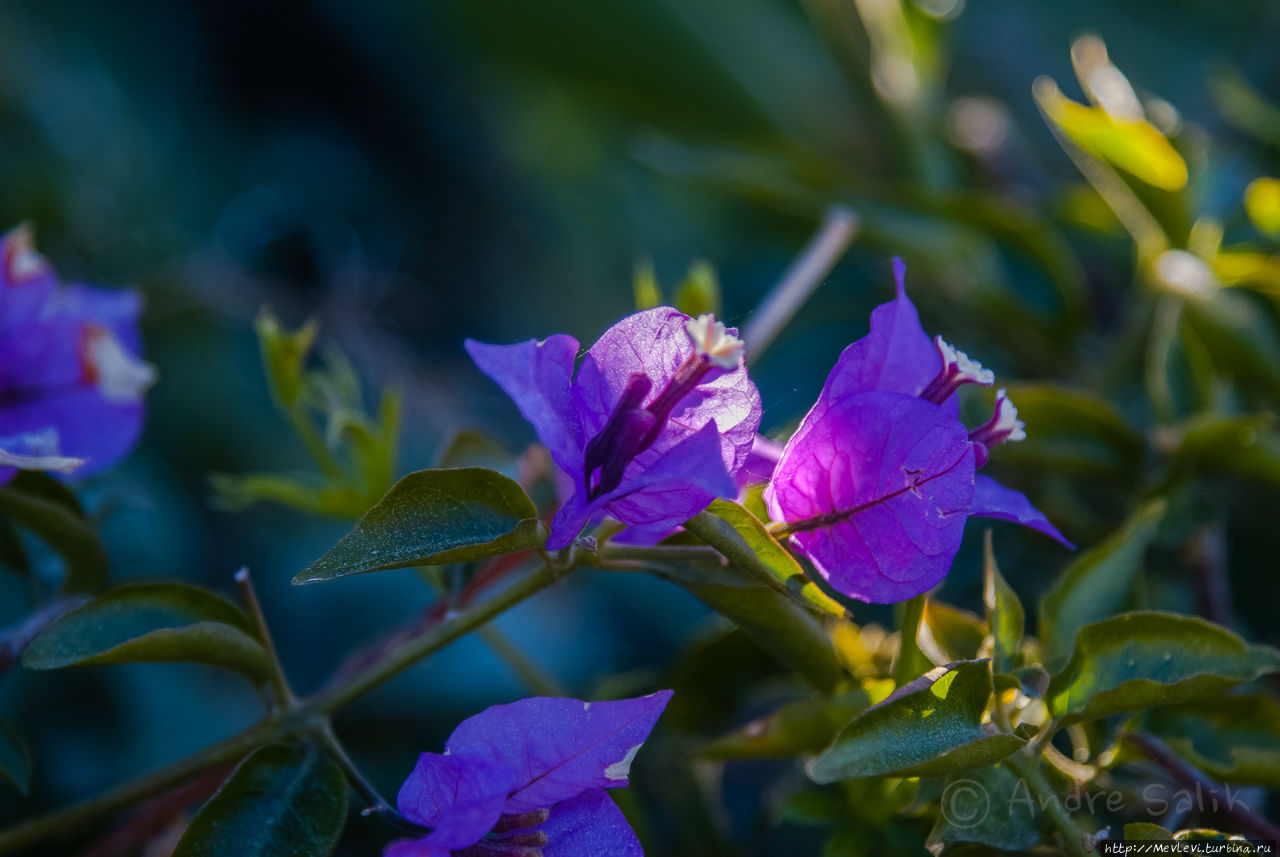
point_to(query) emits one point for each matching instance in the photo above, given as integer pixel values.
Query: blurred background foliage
(407, 174)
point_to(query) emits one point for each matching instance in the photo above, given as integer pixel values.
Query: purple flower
(71, 381)
(656, 423)
(876, 484)
(528, 779)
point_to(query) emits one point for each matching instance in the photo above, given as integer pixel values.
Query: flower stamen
(957, 369)
(1003, 427)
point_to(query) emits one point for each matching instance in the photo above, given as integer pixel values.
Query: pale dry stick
(839, 226)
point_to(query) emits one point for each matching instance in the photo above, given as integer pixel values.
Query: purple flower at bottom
(657, 422)
(71, 380)
(528, 780)
(877, 482)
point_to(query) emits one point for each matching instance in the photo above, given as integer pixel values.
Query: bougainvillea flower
(657, 422)
(528, 779)
(71, 379)
(877, 482)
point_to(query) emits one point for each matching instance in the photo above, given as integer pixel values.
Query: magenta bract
(71, 378)
(530, 772)
(657, 422)
(879, 479)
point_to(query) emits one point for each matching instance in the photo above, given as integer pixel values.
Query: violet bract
(657, 422)
(71, 379)
(528, 780)
(877, 482)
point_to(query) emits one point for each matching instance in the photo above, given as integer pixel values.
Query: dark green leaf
(15, 761)
(1070, 429)
(990, 806)
(766, 557)
(1241, 337)
(12, 554)
(433, 517)
(1234, 739)
(802, 726)
(930, 727)
(1247, 446)
(151, 622)
(1147, 832)
(280, 802)
(63, 528)
(789, 632)
(1005, 617)
(1139, 660)
(1097, 583)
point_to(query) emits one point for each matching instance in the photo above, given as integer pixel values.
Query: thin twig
(284, 694)
(839, 226)
(1189, 777)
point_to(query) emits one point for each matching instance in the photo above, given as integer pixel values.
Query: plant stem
(839, 226)
(284, 699)
(1028, 768)
(304, 717)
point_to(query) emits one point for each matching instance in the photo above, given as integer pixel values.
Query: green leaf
(1072, 430)
(1146, 832)
(929, 727)
(1134, 146)
(1005, 616)
(31, 503)
(948, 634)
(151, 622)
(801, 726)
(1240, 334)
(700, 292)
(470, 448)
(911, 661)
(644, 285)
(990, 806)
(1144, 659)
(12, 554)
(789, 632)
(280, 802)
(15, 761)
(1097, 583)
(768, 559)
(1247, 446)
(433, 517)
(1234, 739)
(283, 355)
(1262, 204)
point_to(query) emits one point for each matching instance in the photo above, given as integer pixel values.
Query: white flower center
(712, 341)
(119, 376)
(961, 367)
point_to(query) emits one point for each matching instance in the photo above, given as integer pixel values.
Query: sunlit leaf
(433, 517)
(766, 556)
(280, 802)
(1146, 832)
(929, 727)
(1005, 616)
(151, 622)
(1134, 146)
(947, 634)
(1262, 204)
(1097, 583)
(1145, 659)
(283, 354)
(1258, 271)
(700, 291)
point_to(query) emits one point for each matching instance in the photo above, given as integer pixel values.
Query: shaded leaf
(1005, 616)
(1248, 446)
(433, 517)
(1234, 739)
(151, 622)
(1069, 429)
(789, 632)
(948, 634)
(931, 726)
(801, 726)
(990, 806)
(767, 557)
(1147, 832)
(280, 802)
(470, 448)
(1139, 660)
(15, 761)
(1241, 337)
(60, 525)
(1097, 583)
